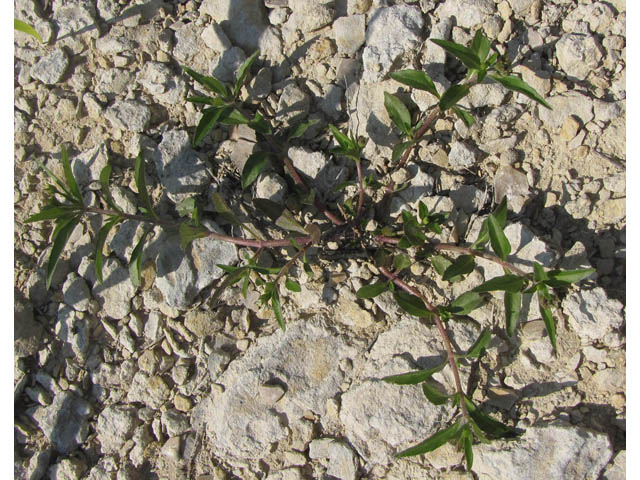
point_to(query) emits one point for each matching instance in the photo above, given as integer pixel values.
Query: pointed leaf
(480, 344)
(189, 233)
(500, 214)
(434, 395)
(209, 119)
(539, 275)
(64, 190)
(399, 150)
(492, 427)
(480, 45)
(547, 316)
(216, 102)
(105, 175)
(412, 229)
(431, 443)
(26, 28)
(100, 239)
(411, 304)
(243, 72)
(71, 181)
(562, 278)
(61, 234)
(413, 378)
(398, 112)
(211, 83)
(508, 283)
(221, 207)
(255, 164)
(289, 222)
(466, 303)
(440, 263)
(453, 95)
(518, 85)
(51, 212)
(292, 285)
(228, 281)
(512, 305)
(467, 442)
(141, 185)
(416, 79)
(232, 116)
(277, 310)
(464, 264)
(135, 262)
(260, 125)
(423, 211)
(499, 241)
(467, 56)
(341, 138)
(373, 290)
(300, 129)
(466, 117)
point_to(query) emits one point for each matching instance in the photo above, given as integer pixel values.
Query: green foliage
(26, 28)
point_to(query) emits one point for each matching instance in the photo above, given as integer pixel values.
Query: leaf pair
(349, 146)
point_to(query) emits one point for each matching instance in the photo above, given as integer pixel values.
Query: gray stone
(578, 54)
(272, 187)
(87, 165)
(152, 391)
(114, 81)
(174, 422)
(67, 469)
(304, 360)
(607, 111)
(75, 17)
(227, 63)
(130, 115)
(260, 85)
(27, 333)
(215, 38)
(340, 460)
(201, 323)
(207, 253)
(181, 170)
(189, 47)
(51, 67)
(514, 185)
(617, 469)
(76, 293)
(615, 183)
(65, 421)
(115, 426)
(568, 104)
(309, 16)
(468, 198)
(371, 117)
(158, 79)
(331, 104)
(461, 155)
(317, 168)
(392, 32)
(109, 45)
(554, 451)
(217, 363)
(598, 17)
(74, 331)
(38, 464)
(593, 316)
(293, 105)
(126, 340)
(116, 291)
(349, 33)
(92, 105)
(468, 13)
(520, 7)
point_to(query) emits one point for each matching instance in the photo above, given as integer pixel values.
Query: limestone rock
(462, 155)
(294, 104)
(116, 292)
(349, 33)
(158, 79)
(114, 427)
(339, 459)
(468, 13)
(272, 187)
(51, 67)
(578, 54)
(73, 331)
(592, 315)
(65, 421)
(130, 115)
(75, 17)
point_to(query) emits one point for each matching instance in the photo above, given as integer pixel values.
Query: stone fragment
(67, 469)
(617, 469)
(181, 170)
(339, 459)
(565, 105)
(27, 333)
(468, 198)
(201, 323)
(615, 183)
(110, 44)
(391, 33)
(520, 7)
(598, 17)
(215, 38)
(51, 68)
(76, 293)
(225, 66)
(514, 185)
(113, 82)
(65, 421)
(331, 104)
(592, 315)
(260, 85)
(115, 426)
(349, 33)
(272, 187)
(116, 291)
(73, 331)
(309, 16)
(554, 451)
(578, 54)
(152, 391)
(131, 115)
(607, 111)
(174, 422)
(468, 13)
(87, 165)
(293, 105)
(75, 17)
(158, 79)
(461, 155)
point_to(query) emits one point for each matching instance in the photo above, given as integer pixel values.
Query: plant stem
(285, 242)
(288, 265)
(443, 333)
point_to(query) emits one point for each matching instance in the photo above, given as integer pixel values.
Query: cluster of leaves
(414, 240)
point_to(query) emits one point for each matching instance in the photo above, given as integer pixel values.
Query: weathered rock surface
(65, 421)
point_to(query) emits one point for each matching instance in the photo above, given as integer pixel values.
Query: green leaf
(500, 214)
(431, 443)
(221, 207)
(480, 45)
(245, 284)
(518, 85)
(466, 55)
(65, 191)
(440, 263)
(423, 212)
(489, 425)
(189, 233)
(229, 268)
(480, 344)
(563, 278)
(300, 129)
(292, 285)
(373, 290)
(434, 395)
(466, 117)
(211, 83)
(188, 207)
(232, 116)
(287, 221)
(412, 229)
(227, 281)
(105, 175)
(260, 125)
(135, 262)
(277, 310)
(26, 28)
(61, 234)
(243, 72)
(399, 150)
(100, 239)
(216, 102)
(466, 303)
(547, 316)
(411, 304)
(398, 113)
(141, 185)
(51, 212)
(467, 442)
(71, 181)
(453, 94)
(413, 378)
(416, 79)
(209, 119)
(464, 264)
(400, 262)
(341, 138)
(512, 305)
(508, 283)
(499, 241)
(255, 164)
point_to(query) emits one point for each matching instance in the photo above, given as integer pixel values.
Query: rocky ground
(114, 382)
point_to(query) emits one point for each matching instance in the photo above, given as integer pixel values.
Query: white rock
(73, 331)
(115, 426)
(565, 105)
(51, 67)
(75, 17)
(554, 451)
(130, 115)
(597, 15)
(152, 391)
(65, 421)
(158, 79)
(110, 44)
(116, 292)
(339, 459)
(272, 187)
(607, 111)
(224, 67)
(392, 32)
(578, 54)
(114, 81)
(468, 13)
(617, 469)
(67, 469)
(293, 105)
(514, 185)
(468, 198)
(461, 155)
(76, 293)
(349, 33)
(174, 422)
(520, 7)
(308, 16)
(215, 38)
(592, 315)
